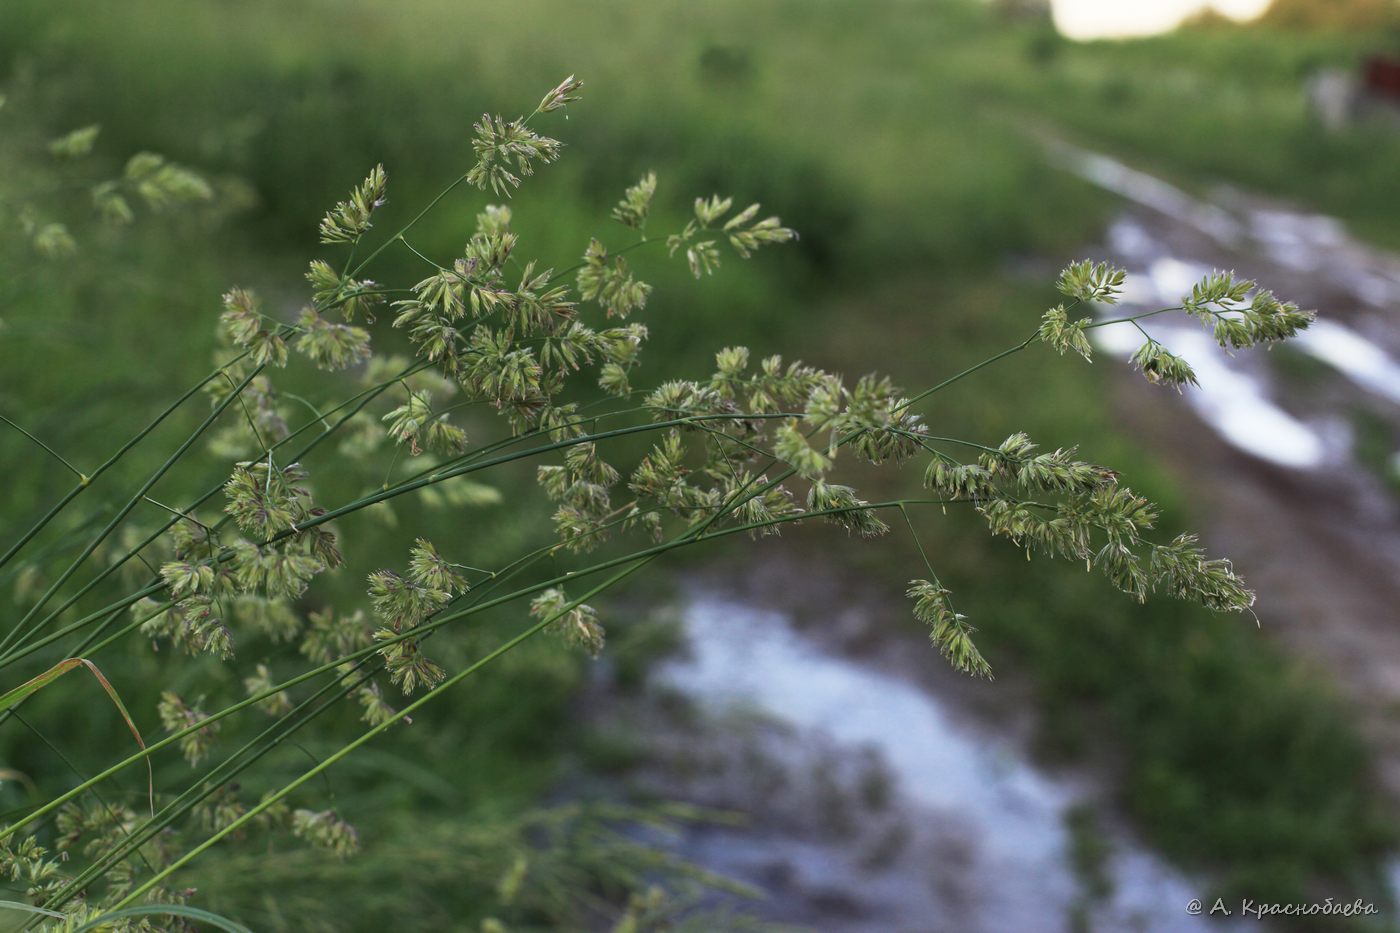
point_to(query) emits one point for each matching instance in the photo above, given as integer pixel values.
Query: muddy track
(879, 792)
(1314, 530)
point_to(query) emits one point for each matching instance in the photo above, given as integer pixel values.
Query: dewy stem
(1134, 318)
(969, 371)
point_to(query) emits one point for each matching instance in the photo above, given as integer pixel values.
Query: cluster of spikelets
(402, 603)
(147, 179)
(1238, 312)
(351, 219)
(29, 867)
(744, 233)
(96, 829)
(254, 578)
(1060, 506)
(576, 623)
(715, 468)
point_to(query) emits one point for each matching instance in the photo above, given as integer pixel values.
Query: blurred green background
(904, 140)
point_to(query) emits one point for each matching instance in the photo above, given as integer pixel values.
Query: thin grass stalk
(206, 784)
(363, 398)
(123, 512)
(110, 462)
(371, 733)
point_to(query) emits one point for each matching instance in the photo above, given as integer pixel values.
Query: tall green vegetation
(232, 576)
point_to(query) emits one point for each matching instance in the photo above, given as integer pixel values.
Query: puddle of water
(1355, 357)
(945, 772)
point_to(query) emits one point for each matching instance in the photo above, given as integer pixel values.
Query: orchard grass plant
(633, 467)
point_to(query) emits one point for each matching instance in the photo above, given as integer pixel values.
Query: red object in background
(1381, 77)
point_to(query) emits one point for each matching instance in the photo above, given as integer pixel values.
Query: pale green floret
(176, 715)
(326, 830)
(611, 284)
(53, 241)
(245, 326)
(427, 567)
(260, 682)
(506, 150)
(350, 219)
(1060, 332)
(1224, 303)
(635, 206)
(1162, 367)
(948, 630)
(354, 297)
(791, 445)
(185, 578)
(846, 509)
(331, 346)
(75, 144)
(576, 623)
(163, 184)
(564, 94)
(1088, 281)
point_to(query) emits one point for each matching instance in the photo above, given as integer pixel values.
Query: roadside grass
(911, 192)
